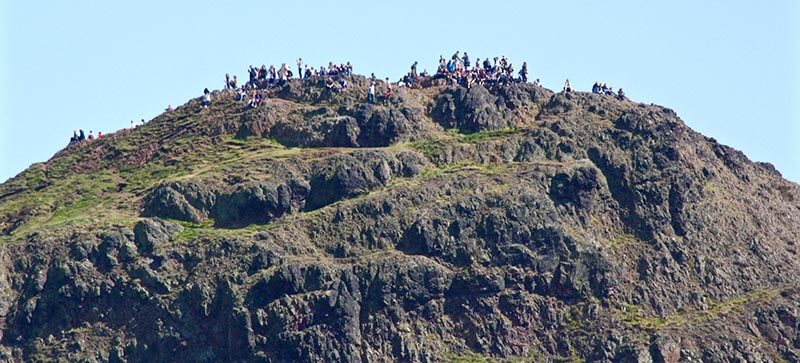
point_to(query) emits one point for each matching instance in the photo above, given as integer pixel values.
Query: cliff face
(500, 222)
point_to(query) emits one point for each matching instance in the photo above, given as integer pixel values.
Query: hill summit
(499, 222)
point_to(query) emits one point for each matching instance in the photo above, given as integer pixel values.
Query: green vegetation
(471, 357)
(453, 137)
(634, 317)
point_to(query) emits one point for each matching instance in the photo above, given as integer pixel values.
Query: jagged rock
(150, 279)
(578, 189)
(666, 350)
(259, 203)
(185, 201)
(350, 176)
(592, 229)
(152, 232)
(386, 124)
(633, 355)
(469, 110)
(109, 252)
(317, 129)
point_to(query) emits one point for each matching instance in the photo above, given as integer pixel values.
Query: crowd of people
(264, 77)
(79, 135)
(603, 89)
(459, 70)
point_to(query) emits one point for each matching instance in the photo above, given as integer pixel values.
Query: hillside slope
(503, 223)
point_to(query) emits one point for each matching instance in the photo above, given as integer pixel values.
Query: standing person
(414, 70)
(300, 68)
(371, 93)
(567, 86)
(253, 74)
(227, 81)
(523, 73)
(283, 72)
(388, 89)
(466, 61)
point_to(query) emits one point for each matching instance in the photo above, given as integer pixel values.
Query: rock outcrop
(500, 222)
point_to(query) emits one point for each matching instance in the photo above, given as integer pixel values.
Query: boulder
(469, 110)
(153, 232)
(188, 201)
(259, 203)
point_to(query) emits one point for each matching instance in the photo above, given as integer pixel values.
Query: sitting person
(259, 99)
(621, 94)
(331, 85)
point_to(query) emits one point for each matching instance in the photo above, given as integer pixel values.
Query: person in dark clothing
(300, 68)
(523, 72)
(81, 136)
(466, 61)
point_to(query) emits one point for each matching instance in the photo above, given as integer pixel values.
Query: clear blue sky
(730, 69)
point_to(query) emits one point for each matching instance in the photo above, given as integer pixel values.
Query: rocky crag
(499, 223)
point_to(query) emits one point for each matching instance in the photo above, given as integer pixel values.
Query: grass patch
(785, 192)
(486, 135)
(453, 136)
(471, 357)
(634, 317)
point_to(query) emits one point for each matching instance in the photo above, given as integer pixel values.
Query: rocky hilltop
(498, 223)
